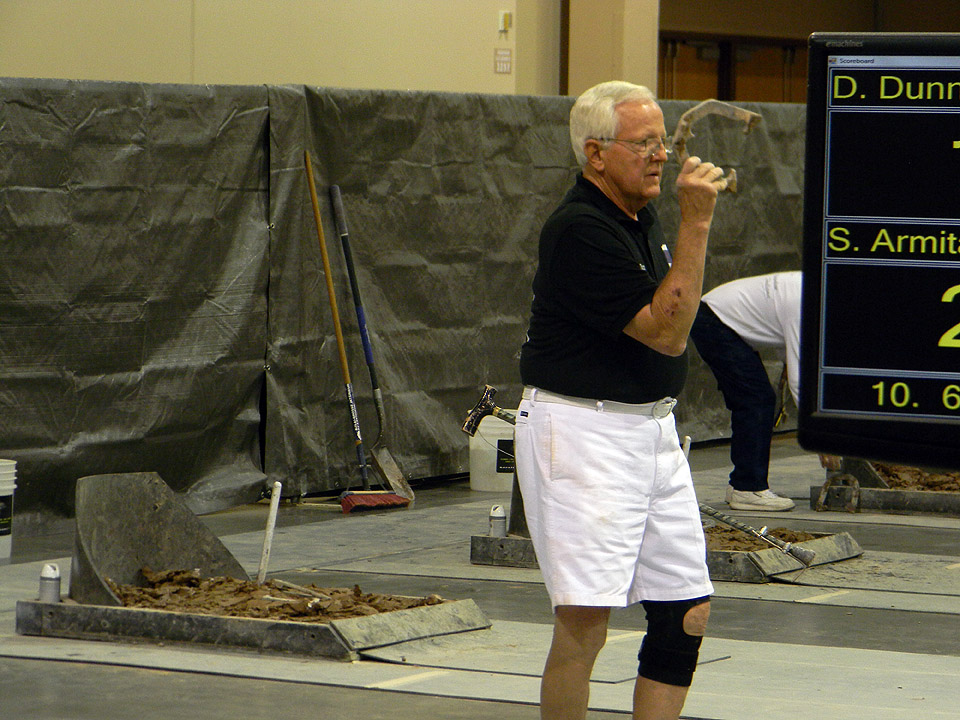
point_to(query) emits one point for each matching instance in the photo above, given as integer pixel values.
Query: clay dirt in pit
(902, 477)
(185, 591)
(723, 538)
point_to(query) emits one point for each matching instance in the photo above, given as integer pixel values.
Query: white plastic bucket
(491, 456)
(8, 477)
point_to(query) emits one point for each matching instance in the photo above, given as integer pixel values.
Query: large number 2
(951, 338)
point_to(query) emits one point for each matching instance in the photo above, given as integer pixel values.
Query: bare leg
(654, 700)
(578, 635)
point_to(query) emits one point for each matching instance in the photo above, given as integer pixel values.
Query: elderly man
(607, 492)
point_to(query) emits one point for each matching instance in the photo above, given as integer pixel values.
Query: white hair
(594, 114)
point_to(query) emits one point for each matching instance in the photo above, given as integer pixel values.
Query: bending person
(734, 321)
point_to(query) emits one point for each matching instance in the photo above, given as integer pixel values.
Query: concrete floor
(873, 637)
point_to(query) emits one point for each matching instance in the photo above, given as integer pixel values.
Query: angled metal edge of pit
(826, 549)
(941, 502)
(99, 622)
(733, 566)
(125, 521)
(759, 566)
(864, 471)
(507, 551)
(390, 628)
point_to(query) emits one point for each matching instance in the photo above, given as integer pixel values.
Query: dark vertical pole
(564, 59)
(726, 71)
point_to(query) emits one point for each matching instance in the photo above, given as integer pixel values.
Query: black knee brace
(668, 654)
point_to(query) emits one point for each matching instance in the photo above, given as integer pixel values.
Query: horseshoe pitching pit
(128, 522)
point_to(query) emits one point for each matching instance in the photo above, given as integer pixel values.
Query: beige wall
(407, 45)
(149, 40)
(439, 45)
(538, 47)
(612, 40)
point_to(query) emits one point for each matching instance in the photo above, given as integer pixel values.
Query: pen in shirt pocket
(666, 254)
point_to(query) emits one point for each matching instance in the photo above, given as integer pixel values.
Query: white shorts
(610, 505)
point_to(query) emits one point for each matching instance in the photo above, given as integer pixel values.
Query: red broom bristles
(370, 500)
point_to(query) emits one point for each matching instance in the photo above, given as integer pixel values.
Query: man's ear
(592, 148)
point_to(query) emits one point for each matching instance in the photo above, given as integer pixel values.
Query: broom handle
(340, 218)
(341, 349)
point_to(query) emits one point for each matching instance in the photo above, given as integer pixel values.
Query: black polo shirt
(597, 269)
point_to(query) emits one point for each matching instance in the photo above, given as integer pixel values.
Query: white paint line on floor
(408, 679)
(824, 596)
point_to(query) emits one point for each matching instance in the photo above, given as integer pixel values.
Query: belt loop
(663, 407)
(533, 395)
(599, 405)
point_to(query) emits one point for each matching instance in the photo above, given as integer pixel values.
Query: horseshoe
(684, 131)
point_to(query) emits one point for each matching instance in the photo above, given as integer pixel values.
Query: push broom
(366, 498)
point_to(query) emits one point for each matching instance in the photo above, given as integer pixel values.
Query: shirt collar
(586, 190)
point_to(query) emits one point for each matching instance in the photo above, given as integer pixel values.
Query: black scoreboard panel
(880, 336)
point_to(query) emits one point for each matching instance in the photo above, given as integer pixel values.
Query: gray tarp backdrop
(162, 299)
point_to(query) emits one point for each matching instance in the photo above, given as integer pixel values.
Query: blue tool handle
(341, 221)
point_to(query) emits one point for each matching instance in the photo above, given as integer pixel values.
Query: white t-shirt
(764, 310)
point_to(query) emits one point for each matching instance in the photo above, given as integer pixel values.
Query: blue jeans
(747, 393)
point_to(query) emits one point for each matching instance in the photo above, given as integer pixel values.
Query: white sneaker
(757, 500)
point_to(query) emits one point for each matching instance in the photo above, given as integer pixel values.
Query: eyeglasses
(644, 148)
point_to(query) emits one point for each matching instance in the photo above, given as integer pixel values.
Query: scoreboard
(880, 336)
